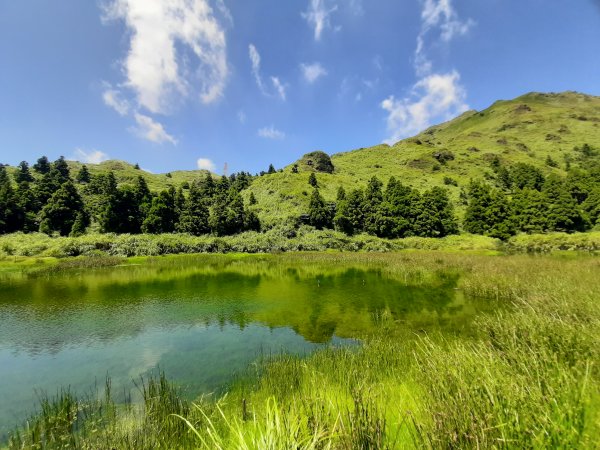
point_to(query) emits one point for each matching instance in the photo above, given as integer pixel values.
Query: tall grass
(526, 377)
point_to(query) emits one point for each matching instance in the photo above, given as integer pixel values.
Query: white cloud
(271, 133)
(278, 90)
(440, 15)
(317, 16)
(255, 60)
(312, 72)
(438, 96)
(206, 164)
(242, 117)
(151, 130)
(154, 65)
(112, 98)
(90, 157)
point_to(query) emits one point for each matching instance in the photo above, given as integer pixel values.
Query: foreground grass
(525, 377)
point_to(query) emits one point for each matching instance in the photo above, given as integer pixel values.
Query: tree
(295, 168)
(398, 210)
(252, 199)
(341, 194)
(371, 206)
(563, 212)
(83, 176)
(488, 212)
(27, 208)
(435, 216)
(161, 216)
(23, 174)
(82, 221)
(61, 211)
(62, 167)
(271, 169)
(194, 217)
(312, 180)
(529, 211)
(592, 206)
(42, 165)
(319, 214)
(9, 208)
(526, 176)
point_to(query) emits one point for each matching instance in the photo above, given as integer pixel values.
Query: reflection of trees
(45, 314)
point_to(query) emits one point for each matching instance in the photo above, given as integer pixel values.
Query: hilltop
(536, 128)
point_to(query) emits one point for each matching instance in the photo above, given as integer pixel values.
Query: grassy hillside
(527, 129)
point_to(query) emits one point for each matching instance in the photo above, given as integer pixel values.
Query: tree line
(51, 202)
(518, 199)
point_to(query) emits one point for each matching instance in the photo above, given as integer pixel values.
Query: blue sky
(181, 84)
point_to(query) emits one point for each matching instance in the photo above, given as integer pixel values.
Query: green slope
(527, 129)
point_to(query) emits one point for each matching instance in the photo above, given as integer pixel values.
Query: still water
(202, 320)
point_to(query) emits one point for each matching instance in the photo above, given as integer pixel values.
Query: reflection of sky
(201, 359)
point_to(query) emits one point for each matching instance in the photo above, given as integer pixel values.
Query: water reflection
(198, 318)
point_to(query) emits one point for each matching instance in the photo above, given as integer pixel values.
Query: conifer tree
(319, 214)
(23, 174)
(161, 216)
(61, 211)
(194, 217)
(373, 197)
(312, 180)
(563, 213)
(9, 208)
(435, 215)
(83, 176)
(42, 166)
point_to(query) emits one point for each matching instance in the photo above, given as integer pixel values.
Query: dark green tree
(10, 212)
(563, 212)
(61, 211)
(341, 194)
(591, 206)
(373, 197)
(42, 165)
(62, 167)
(83, 176)
(23, 174)
(526, 176)
(82, 221)
(488, 212)
(529, 211)
(312, 180)
(194, 217)
(252, 199)
(319, 214)
(398, 210)
(435, 214)
(271, 169)
(161, 216)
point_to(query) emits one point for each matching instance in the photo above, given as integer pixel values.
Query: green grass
(524, 377)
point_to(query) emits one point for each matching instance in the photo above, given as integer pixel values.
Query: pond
(202, 320)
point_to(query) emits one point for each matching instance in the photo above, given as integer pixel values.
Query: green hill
(539, 129)
(528, 129)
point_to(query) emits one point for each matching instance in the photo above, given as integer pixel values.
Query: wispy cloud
(151, 130)
(206, 164)
(435, 96)
(312, 72)
(271, 133)
(438, 96)
(159, 29)
(317, 16)
(113, 98)
(242, 117)
(278, 88)
(89, 157)
(440, 16)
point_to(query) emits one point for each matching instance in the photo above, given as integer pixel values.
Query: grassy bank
(277, 240)
(525, 377)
